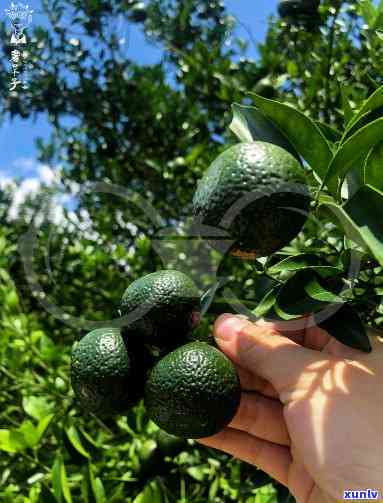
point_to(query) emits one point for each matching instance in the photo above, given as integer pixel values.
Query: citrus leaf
(372, 170)
(365, 208)
(346, 326)
(300, 295)
(365, 230)
(304, 261)
(56, 479)
(305, 136)
(356, 147)
(60, 482)
(372, 81)
(151, 494)
(36, 406)
(89, 439)
(250, 124)
(316, 291)
(196, 472)
(347, 109)
(354, 179)
(75, 440)
(346, 224)
(368, 11)
(97, 486)
(12, 441)
(364, 120)
(266, 303)
(372, 103)
(331, 134)
(43, 425)
(214, 487)
(30, 433)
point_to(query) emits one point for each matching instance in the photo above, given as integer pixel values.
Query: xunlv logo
(368, 494)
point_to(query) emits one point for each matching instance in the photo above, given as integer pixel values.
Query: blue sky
(17, 147)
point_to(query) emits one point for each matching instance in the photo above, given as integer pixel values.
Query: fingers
(303, 331)
(261, 417)
(271, 458)
(294, 329)
(252, 382)
(263, 351)
(315, 337)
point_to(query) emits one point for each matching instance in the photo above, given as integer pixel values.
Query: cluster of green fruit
(191, 389)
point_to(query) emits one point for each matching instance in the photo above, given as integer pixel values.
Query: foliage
(148, 133)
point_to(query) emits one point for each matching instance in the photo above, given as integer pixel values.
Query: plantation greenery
(145, 135)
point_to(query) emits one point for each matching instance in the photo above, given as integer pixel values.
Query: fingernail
(227, 326)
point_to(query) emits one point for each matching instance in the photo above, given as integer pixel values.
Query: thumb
(265, 352)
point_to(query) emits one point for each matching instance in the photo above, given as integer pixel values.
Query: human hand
(312, 412)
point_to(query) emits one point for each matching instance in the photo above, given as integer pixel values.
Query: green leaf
(346, 326)
(30, 433)
(352, 259)
(304, 261)
(366, 119)
(89, 439)
(379, 15)
(367, 11)
(27, 435)
(196, 472)
(316, 291)
(266, 303)
(74, 438)
(60, 484)
(354, 179)
(365, 208)
(151, 494)
(346, 224)
(373, 167)
(372, 103)
(250, 124)
(37, 406)
(56, 479)
(356, 147)
(305, 136)
(302, 294)
(97, 486)
(12, 441)
(331, 134)
(347, 109)
(213, 489)
(372, 81)
(43, 425)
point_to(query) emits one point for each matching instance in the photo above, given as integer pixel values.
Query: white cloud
(33, 176)
(27, 187)
(5, 182)
(24, 162)
(28, 167)
(52, 209)
(47, 175)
